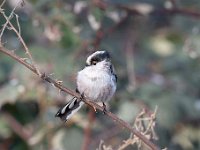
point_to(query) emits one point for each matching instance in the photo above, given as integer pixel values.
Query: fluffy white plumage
(97, 82)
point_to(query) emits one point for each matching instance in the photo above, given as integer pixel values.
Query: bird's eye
(94, 62)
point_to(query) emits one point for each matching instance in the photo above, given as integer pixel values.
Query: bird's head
(97, 57)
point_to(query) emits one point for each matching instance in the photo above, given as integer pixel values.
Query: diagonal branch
(73, 93)
(7, 21)
(32, 66)
(18, 33)
(2, 4)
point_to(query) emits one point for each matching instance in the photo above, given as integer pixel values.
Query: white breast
(96, 84)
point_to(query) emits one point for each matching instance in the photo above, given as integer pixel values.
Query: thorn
(24, 59)
(94, 109)
(59, 82)
(43, 76)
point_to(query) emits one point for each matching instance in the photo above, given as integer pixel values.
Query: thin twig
(27, 51)
(152, 120)
(87, 101)
(140, 124)
(59, 85)
(6, 23)
(2, 4)
(18, 25)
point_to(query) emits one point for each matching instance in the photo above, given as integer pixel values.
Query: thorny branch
(145, 123)
(7, 20)
(87, 101)
(2, 4)
(32, 66)
(18, 33)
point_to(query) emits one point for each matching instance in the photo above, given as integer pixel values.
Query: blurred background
(154, 46)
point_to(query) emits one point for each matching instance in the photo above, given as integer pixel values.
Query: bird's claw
(104, 108)
(94, 109)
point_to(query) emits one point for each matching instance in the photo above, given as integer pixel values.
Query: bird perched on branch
(96, 82)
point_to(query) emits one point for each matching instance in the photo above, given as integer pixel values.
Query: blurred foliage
(155, 53)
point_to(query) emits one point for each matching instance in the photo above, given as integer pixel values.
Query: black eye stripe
(95, 59)
(98, 58)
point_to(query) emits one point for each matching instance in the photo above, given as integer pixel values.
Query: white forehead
(93, 54)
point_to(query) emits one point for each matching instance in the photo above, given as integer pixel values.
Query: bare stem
(7, 21)
(2, 4)
(87, 101)
(18, 33)
(32, 66)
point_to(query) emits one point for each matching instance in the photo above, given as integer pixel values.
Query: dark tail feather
(69, 109)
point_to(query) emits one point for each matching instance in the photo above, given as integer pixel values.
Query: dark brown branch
(18, 33)
(87, 101)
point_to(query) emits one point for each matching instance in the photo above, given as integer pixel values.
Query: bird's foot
(83, 98)
(104, 108)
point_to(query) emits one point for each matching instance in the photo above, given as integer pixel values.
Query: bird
(97, 82)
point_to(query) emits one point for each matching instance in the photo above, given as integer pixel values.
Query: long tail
(69, 109)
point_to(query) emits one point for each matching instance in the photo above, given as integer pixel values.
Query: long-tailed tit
(97, 82)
